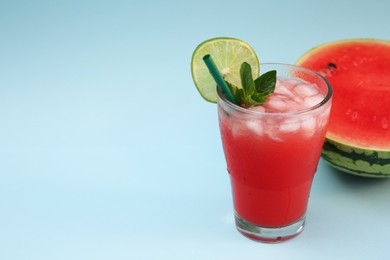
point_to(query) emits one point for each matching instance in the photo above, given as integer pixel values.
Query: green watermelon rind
(357, 161)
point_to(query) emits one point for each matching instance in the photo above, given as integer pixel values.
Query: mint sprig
(253, 92)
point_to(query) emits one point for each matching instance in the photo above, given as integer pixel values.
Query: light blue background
(107, 151)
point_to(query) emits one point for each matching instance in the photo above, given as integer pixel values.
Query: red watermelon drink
(272, 152)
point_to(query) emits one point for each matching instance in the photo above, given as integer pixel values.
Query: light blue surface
(108, 152)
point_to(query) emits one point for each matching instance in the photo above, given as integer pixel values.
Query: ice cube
(298, 100)
(313, 100)
(274, 134)
(275, 104)
(306, 90)
(255, 126)
(324, 117)
(289, 126)
(258, 109)
(237, 127)
(283, 90)
(309, 126)
(293, 105)
(289, 83)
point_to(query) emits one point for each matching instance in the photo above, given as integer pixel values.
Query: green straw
(222, 86)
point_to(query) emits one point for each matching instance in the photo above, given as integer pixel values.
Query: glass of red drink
(272, 152)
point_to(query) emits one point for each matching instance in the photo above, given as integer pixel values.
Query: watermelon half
(358, 137)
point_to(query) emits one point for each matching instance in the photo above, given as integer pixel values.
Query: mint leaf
(266, 82)
(253, 92)
(238, 93)
(248, 85)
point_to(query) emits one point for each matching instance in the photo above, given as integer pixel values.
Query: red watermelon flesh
(359, 72)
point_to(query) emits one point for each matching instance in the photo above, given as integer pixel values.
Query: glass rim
(297, 112)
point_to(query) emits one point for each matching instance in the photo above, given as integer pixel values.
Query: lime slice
(228, 55)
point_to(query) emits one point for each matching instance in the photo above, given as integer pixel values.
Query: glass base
(269, 235)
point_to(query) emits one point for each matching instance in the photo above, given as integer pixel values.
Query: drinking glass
(272, 158)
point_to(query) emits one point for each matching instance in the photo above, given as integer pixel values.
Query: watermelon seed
(326, 71)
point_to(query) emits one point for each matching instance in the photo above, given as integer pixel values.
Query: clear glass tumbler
(272, 156)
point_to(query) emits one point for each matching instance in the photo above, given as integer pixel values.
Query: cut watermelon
(358, 137)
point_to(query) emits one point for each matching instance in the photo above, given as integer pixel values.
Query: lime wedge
(228, 55)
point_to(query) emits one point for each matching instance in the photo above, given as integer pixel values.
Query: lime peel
(228, 55)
